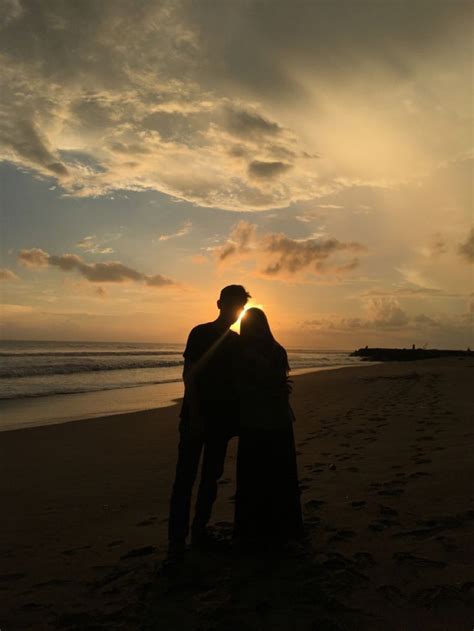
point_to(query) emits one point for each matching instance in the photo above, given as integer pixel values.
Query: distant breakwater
(406, 354)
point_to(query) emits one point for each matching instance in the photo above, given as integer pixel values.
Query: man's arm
(190, 392)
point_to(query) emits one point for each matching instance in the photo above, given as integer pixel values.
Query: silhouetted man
(208, 418)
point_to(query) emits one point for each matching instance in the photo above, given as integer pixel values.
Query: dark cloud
(248, 124)
(109, 272)
(278, 254)
(293, 256)
(267, 170)
(316, 37)
(23, 137)
(466, 249)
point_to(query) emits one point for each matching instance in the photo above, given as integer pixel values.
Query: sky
(319, 153)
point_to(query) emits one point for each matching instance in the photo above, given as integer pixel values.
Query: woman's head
(254, 328)
(254, 325)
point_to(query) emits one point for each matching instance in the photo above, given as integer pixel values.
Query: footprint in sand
(139, 552)
(408, 557)
(342, 535)
(73, 551)
(387, 510)
(392, 594)
(382, 524)
(441, 596)
(391, 492)
(147, 522)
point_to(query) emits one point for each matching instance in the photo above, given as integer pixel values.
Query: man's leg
(215, 448)
(189, 453)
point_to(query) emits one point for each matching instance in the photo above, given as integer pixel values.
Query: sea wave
(29, 370)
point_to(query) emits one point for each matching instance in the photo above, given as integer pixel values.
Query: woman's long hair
(255, 330)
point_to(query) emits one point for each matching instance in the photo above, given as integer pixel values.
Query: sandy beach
(386, 470)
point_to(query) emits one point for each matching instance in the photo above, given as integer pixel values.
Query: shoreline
(62, 408)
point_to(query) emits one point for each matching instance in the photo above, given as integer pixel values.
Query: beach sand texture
(385, 456)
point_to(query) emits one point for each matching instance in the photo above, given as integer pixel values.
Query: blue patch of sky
(36, 214)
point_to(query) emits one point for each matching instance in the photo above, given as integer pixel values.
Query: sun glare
(236, 326)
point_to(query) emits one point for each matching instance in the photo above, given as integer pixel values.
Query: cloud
(438, 245)
(95, 245)
(248, 124)
(267, 170)
(291, 255)
(7, 275)
(109, 272)
(425, 320)
(239, 241)
(35, 257)
(387, 313)
(184, 230)
(278, 255)
(164, 110)
(408, 290)
(23, 138)
(466, 249)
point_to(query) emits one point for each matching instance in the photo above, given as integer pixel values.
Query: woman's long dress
(267, 505)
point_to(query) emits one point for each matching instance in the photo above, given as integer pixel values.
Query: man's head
(232, 300)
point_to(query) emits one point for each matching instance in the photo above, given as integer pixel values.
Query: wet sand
(386, 470)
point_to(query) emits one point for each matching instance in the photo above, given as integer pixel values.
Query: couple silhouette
(236, 385)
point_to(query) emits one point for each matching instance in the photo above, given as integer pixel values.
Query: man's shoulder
(205, 327)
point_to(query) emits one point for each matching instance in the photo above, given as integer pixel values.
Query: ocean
(40, 380)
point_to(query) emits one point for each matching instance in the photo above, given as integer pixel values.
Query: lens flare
(236, 326)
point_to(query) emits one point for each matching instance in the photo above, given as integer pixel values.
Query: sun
(236, 326)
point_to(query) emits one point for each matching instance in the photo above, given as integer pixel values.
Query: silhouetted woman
(267, 506)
